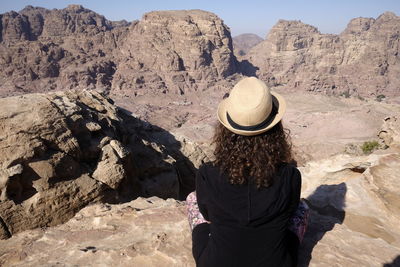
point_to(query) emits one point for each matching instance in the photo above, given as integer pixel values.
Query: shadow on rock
(160, 167)
(326, 209)
(61, 151)
(394, 263)
(248, 69)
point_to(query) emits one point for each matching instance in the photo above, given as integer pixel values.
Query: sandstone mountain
(43, 50)
(364, 60)
(244, 42)
(185, 51)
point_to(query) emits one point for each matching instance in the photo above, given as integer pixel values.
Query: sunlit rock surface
(355, 210)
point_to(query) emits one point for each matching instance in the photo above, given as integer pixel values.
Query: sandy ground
(320, 126)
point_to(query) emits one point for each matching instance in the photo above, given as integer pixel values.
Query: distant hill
(244, 42)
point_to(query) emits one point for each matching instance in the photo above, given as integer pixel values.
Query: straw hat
(249, 108)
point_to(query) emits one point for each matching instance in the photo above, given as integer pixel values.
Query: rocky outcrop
(62, 151)
(354, 211)
(244, 42)
(363, 60)
(354, 221)
(167, 51)
(144, 232)
(389, 134)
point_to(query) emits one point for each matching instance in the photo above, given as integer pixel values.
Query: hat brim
(279, 103)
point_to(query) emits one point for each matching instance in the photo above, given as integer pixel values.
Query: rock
(61, 151)
(354, 221)
(190, 50)
(361, 61)
(93, 127)
(143, 232)
(75, 48)
(354, 210)
(390, 132)
(175, 51)
(109, 170)
(119, 148)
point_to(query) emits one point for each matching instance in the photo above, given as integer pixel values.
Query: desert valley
(104, 123)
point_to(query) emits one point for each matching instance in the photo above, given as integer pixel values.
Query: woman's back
(248, 193)
(249, 224)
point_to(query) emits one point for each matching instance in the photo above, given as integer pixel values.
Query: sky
(244, 16)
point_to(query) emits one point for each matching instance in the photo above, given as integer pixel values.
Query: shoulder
(289, 169)
(207, 170)
(209, 173)
(291, 174)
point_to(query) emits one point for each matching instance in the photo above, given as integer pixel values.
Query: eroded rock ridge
(166, 51)
(364, 60)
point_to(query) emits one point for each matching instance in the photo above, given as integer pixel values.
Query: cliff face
(185, 51)
(175, 51)
(363, 60)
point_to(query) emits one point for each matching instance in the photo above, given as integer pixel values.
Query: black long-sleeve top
(248, 225)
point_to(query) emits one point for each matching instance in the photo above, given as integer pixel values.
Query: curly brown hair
(257, 156)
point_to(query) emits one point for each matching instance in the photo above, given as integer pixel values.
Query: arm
(201, 193)
(296, 189)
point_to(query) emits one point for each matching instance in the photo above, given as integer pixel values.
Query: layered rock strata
(363, 60)
(166, 51)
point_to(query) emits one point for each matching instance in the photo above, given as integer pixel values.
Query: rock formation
(390, 132)
(363, 60)
(355, 209)
(186, 51)
(244, 42)
(62, 151)
(143, 232)
(177, 51)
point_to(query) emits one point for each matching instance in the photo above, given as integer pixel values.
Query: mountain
(364, 60)
(166, 51)
(187, 51)
(244, 42)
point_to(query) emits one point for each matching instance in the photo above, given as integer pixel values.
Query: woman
(248, 196)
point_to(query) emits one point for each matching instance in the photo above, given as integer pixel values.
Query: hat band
(256, 127)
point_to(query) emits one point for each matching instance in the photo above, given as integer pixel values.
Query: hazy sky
(244, 16)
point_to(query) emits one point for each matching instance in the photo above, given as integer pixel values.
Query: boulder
(61, 151)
